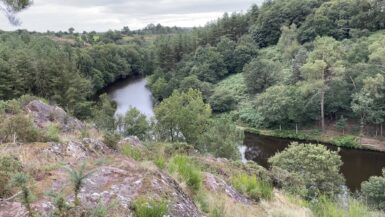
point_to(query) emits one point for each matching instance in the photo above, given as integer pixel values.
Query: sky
(103, 15)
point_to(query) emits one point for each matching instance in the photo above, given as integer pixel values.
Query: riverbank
(316, 136)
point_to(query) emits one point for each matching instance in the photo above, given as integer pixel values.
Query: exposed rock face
(132, 140)
(44, 114)
(216, 184)
(120, 180)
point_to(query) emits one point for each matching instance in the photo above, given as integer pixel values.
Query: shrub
(374, 191)
(347, 141)
(77, 178)
(111, 140)
(253, 187)
(8, 167)
(21, 127)
(21, 181)
(52, 133)
(186, 169)
(129, 151)
(314, 164)
(150, 208)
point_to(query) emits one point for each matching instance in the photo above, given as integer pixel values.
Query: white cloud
(102, 15)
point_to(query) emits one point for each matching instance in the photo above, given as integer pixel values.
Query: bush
(131, 152)
(186, 169)
(374, 191)
(21, 127)
(111, 140)
(52, 133)
(149, 208)
(315, 165)
(253, 187)
(8, 167)
(347, 141)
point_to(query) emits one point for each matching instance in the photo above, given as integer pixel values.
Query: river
(358, 165)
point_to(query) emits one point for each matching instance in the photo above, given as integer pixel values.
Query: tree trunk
(362, 127)
(296, 128)
(381, 130)
(280, 127)
(323, 110)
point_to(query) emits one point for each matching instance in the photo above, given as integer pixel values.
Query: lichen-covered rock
(132, 140)
(44, 114)
(216, 184)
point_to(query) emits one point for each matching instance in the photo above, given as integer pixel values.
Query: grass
(326, 207)
(131, 152)
(191, 174)
(253, 187)
(347, 141)
(150, 208)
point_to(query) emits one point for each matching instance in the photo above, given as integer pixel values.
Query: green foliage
(103, 114)
(374, 191)
(8, 167)
(348, 141)
(329, 207)
(183, 116)
(187, 171)
(22, 181)
(260, 74)
(52, 133)
(19, 128)
(222, 138)
(130, 151)
(134, 123)
(150, 208)
(77, 178)
(315, 165)
(341, 124)
(111, 140)
(222, 101)
(253, 187)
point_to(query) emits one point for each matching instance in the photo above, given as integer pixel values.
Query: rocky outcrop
(216, 184)
(119, 180)
(44, 114)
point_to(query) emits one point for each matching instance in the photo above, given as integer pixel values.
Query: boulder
(44, 114)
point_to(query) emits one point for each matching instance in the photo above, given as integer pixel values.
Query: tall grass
(251, 186)
(150, 208)
(327, 207)
(187, 170)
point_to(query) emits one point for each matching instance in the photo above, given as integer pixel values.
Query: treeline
(301, 62)
(63, 73)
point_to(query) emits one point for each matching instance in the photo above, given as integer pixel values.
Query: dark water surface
(132, 93)
(358, 165)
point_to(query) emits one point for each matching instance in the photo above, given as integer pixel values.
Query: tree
(103, 114)
(182, 116)
(341, 124)
(260, 74)
(374, 190)
(315, 164)
(10, 7)
(77, 178)
(134, 123)
(71, 30)
(22, 181)
(368, 102)
(323, 65)
(222, 101)
(222, 139)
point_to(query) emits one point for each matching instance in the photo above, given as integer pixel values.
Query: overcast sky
(102, 15)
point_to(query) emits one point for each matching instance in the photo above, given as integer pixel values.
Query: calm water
(358, 165)
(132, 93)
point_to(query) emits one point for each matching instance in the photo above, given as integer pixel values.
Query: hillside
(118, 180)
